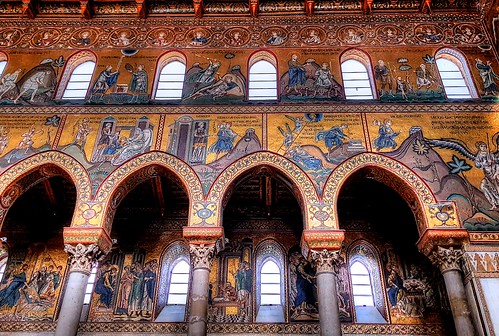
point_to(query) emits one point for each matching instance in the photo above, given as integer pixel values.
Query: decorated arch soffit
(49, 163)
(210, 212)
(428, 212)
(117, 185)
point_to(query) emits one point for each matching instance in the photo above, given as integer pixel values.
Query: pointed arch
(117, 185)
(305, 190)
(175, 254)
(76, 61)
(390, 172)
(50, 163)
(363, 252)
(270, 253)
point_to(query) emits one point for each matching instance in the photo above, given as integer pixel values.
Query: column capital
(202, 255)
(203, 235)
(83, 257)
(321, 239)
(326, 261)
(431, 239)
(88, 236)
(447, 259)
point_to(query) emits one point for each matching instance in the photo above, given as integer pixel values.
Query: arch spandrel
(314, 213)
(113, 189)
(10, 190)
(399, 177)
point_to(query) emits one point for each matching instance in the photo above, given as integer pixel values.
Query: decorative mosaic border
(251, 109)
(256, 328)
(325, 35)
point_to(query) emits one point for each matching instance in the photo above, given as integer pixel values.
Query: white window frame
(169, 81)
(362, 289)
(262, 82)
(75, 80)
(186, 277)
(74, 61)
(89, 289)
(267, 295)
(460, 62)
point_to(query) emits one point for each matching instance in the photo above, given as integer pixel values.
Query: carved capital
(326, 260)
(83, 257)
(447, 259)
(202, 255)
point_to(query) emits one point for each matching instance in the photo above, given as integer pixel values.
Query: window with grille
(361, 285)
(262, 81)
(90, 285)
(356, 80)
(3, 64)
(171, 81)
(270, 282)
(179, 283)
(2, 269)
(452, 80)
(79, 81)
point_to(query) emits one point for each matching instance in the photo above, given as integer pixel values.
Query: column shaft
(326, 263)
(82, 258)
(201, 259)
(72, 304)
(448, 260)
(199, 302)
(458, 303)
(329, 314)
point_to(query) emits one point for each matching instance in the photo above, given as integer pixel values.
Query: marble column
(201, 260)
(326, 263)
(448, 261)
(82, 258)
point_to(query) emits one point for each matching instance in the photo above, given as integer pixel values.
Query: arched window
(179, 283)
(170, 75)
(3, 64)
(357, 80)
(262, 77)
(90, 285)
(270, 282)
(79, 81)
(173, 284)
(77, 75)
(367, 287)
(361, 285)
(270, 297)
(455, 75)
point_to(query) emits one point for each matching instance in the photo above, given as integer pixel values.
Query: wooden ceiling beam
(367, 7)
(159, 194)
(309, 7)
(253, 7)
(50, 193)
(28, 8)
(425, 7)
(86, 9)
(198, 8)
(141, 8)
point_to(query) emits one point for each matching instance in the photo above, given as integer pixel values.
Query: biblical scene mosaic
(456, 164)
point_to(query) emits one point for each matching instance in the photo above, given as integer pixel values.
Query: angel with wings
(287, 134)
(484, 159)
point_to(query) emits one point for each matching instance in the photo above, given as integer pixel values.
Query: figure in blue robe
(386, 137)
(106, 80)
(11, 294)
